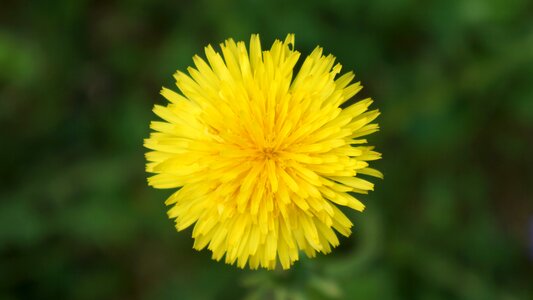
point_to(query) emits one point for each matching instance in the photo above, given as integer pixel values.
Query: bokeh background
(453, 218)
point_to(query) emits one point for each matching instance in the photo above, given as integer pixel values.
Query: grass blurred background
(453, 218)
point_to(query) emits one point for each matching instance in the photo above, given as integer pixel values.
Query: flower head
(262, 159)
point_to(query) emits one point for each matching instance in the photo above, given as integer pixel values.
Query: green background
(453, 218)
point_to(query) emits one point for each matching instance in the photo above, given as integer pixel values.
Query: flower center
(268, 153)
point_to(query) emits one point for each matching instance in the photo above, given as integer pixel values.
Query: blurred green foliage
(454, 80)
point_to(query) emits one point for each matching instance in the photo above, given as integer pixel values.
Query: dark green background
(453, 218)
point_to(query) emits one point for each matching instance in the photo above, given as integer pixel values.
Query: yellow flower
(262, 159)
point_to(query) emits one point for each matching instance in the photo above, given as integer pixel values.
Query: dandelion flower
(262, 154)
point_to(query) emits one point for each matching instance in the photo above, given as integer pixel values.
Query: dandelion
(262, 159)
